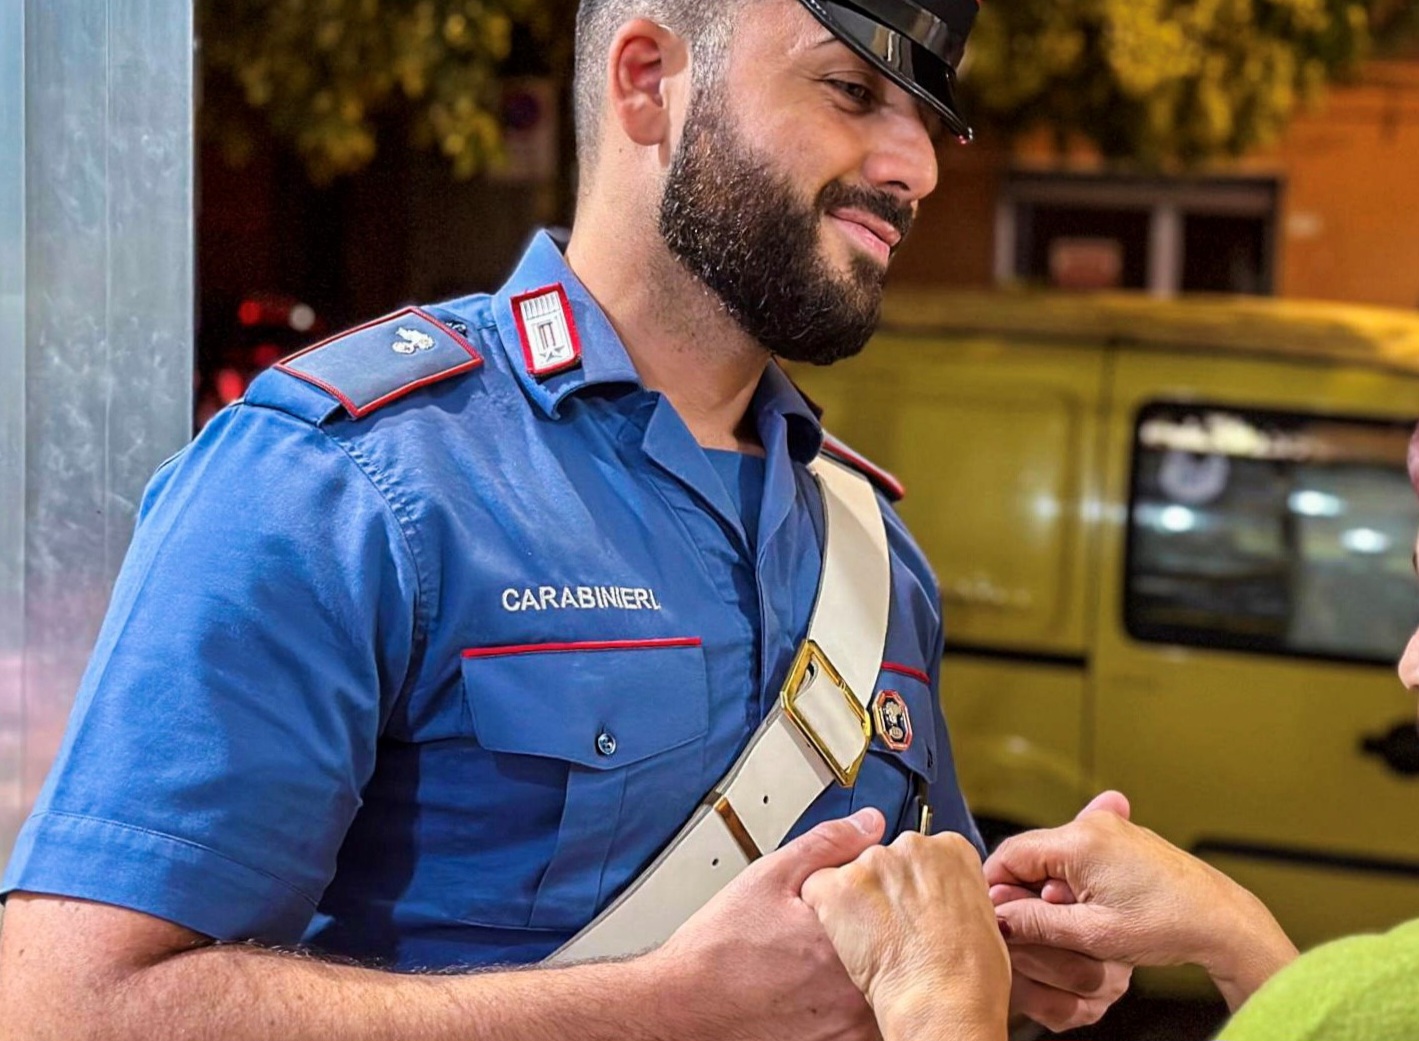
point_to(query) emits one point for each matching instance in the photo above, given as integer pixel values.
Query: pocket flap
(602, 705)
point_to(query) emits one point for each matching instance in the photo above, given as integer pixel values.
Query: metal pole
(12, 412)
(1165, 250)
(100, 333)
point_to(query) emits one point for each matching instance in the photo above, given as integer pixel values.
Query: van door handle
(1399, 748)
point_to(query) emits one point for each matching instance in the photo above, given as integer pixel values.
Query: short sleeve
(1360, 988)
(261, 625)
(948, 803)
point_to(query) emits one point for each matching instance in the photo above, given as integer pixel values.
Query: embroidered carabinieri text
(580, 598)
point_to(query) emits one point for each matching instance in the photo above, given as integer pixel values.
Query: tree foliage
(1156, 82)
(1396, 25)
(323, 74)
(1163, 82)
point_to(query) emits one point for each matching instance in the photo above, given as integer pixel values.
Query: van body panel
(1289, 330)
(994, 444)
(1222, 749)
(1173, 544)
(1018, 737)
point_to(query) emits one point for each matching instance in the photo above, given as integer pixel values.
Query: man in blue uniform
(423, 651)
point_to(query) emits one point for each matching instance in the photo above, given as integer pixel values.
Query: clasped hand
(915, 928)
(1111, 889)
(835, 937)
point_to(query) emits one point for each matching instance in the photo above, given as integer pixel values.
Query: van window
(1271, 532)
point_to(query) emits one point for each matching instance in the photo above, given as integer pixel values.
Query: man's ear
(646, 58)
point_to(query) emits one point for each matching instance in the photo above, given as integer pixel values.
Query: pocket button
(606, 743)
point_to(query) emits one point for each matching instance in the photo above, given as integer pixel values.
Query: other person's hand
(1138, 899)
(915, 929)
(1059, 988)
(761, 959)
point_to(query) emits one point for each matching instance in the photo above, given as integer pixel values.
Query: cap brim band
(909, 64)
(917, 24)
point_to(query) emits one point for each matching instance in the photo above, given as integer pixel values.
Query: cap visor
(912, 67)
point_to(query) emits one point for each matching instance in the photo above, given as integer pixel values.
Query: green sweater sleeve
(1361, 988)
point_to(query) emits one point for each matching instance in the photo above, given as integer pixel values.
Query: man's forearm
(231, 993)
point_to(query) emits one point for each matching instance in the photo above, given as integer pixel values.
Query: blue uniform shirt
(427, 679)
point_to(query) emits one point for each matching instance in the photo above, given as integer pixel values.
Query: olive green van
(1175, 543)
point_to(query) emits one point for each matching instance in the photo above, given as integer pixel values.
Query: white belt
(818, 733)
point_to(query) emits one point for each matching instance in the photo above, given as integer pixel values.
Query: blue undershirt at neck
(743, 478)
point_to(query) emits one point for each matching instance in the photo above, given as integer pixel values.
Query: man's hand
(760, 954)
(916, 931)
(1114, 891)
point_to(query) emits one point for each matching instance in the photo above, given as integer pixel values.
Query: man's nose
(904, 159)
(1409, 664)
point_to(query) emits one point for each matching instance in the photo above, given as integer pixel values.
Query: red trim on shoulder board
(360, 411)
(906, 670)
(585, 645)
(885, 480)
(547, 329)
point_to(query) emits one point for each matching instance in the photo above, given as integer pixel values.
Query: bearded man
(430, 650)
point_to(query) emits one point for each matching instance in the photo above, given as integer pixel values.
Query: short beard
(740, 228)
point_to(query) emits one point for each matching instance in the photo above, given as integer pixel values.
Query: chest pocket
(623, 723)
(901, 761)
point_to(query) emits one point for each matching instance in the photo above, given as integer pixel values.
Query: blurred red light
(230, 385)
(249, 313)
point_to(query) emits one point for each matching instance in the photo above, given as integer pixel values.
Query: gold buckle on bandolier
(812, 666)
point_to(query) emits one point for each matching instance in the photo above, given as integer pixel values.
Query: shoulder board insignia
(885, 482)
(368, 367)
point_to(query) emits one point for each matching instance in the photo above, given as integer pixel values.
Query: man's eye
(860, 94)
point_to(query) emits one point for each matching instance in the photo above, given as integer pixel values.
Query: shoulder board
(885, 482)
(368, 367)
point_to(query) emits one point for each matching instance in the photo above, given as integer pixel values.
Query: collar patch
(547, 328)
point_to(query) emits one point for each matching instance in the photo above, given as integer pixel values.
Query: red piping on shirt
(588, 645)
(906, 670)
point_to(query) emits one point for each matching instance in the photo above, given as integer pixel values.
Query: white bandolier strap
(818, 733)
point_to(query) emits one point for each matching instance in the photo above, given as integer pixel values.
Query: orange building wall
(952, 242)
(1349, 227)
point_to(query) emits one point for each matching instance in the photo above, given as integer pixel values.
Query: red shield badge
(894, 721)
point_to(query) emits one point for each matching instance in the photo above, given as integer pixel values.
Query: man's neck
(676, 331)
